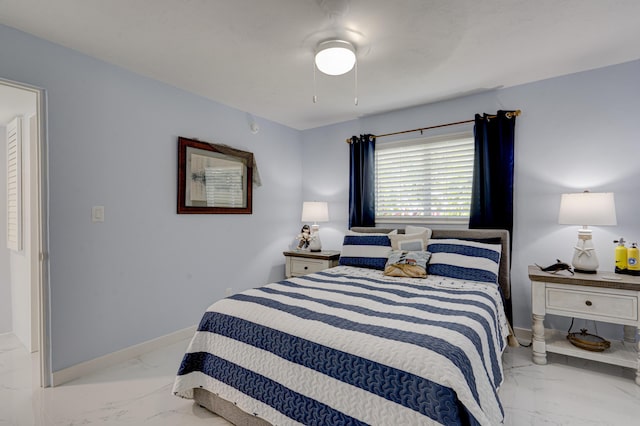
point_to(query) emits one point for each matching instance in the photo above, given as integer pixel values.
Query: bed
(351, 345)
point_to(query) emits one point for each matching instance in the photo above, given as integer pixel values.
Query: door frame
(39, 285)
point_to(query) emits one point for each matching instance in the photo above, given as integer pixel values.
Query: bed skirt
(226, 409)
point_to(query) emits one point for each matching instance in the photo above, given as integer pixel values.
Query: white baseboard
(67, 374)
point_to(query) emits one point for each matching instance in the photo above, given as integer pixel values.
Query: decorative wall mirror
(213, 179)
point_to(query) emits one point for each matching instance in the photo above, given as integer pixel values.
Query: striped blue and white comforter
(351, 346)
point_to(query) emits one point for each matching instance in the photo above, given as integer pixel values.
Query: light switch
(97, 214)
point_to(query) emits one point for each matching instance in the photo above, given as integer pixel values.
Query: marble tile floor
(567, 391)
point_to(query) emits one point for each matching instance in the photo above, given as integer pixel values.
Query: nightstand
(604, 296)
(307, 262)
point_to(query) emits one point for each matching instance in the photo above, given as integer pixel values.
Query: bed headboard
(504, 275)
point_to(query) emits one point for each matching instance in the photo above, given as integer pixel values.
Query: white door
(26, 210)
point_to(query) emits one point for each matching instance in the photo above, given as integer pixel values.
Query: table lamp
(586, 208)
(315, 211)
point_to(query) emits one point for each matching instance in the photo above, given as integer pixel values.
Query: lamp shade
(335, 57)
(315, 211)
(587, 208)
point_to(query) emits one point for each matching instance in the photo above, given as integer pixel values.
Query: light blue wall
(326, 176)
(146, 271)
(576, 132)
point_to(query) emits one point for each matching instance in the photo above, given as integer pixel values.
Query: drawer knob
(588, 303)
(306, 267)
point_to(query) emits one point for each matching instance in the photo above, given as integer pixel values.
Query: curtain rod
(509, 114)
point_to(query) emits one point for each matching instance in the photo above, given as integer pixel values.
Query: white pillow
(417, 229)
(410, 242)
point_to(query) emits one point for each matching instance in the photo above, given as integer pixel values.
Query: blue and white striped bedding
(351, 346)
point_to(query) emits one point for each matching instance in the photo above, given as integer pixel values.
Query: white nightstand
(307, 262)
(590, 296)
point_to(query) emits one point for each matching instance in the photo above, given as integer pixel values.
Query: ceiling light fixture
(335, 57)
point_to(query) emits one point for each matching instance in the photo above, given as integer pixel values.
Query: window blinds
(224, 187)
(14, 184)
(428, 179)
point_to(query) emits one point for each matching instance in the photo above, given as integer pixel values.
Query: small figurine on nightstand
(305, 238)
(556, 267)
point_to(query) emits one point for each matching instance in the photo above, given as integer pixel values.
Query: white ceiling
(256, 55)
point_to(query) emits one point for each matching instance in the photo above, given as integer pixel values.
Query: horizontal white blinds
(14, 185)
(224, 187)
(428, 179)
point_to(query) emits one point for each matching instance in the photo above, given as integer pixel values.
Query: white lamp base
(315, 244)
(584, 254)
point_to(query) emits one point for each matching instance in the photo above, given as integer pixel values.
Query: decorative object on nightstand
(305, 262)
(627, 259)
(588, 341)
(633, 253)
(556, 267)
(315, 211)
(304, 238)
(603, 296)
(620, 255)
(586, 208)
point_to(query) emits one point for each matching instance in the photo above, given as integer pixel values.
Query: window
(425, 180)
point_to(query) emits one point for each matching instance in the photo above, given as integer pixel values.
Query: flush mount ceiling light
(335, 57)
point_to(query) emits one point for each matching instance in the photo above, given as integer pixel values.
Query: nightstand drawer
(305, 262)
(307, 266)
(605, 306)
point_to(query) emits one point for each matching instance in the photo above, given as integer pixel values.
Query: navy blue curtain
(362, 196)
(492, 192)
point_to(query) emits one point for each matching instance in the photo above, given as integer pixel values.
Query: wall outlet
(97, 214)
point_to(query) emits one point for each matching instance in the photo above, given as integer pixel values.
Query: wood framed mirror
(213, 179)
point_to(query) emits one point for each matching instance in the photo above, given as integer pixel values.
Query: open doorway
(22, 127)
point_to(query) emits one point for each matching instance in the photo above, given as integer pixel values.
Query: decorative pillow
(464, 259)
(409, 229)
(410, 242)
(365, 251)
(411, 264)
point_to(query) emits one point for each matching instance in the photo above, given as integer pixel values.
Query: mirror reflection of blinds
(224, 187)
(425, 179)
(14, 184)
